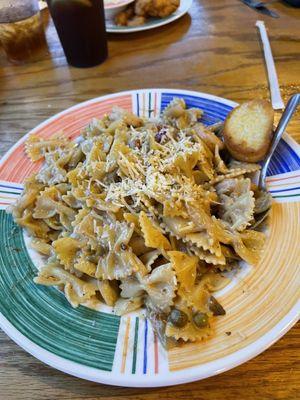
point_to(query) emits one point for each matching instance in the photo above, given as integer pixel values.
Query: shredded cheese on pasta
(140, 212)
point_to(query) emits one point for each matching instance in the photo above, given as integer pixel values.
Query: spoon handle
(284, 120)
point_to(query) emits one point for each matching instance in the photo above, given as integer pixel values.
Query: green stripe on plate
(136, 335)
(288, 195)
(43, 314)
(8, 192)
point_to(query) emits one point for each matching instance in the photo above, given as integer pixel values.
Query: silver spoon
(263, 200)
(284, 120)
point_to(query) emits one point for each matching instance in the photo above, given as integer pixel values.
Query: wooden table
(213, 49)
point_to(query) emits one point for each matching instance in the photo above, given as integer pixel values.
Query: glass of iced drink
(80, 25)
(21, 29)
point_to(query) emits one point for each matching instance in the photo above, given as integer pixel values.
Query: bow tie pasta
(142, 213)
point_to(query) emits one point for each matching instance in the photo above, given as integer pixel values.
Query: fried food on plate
(124, 16)
(156, 8)
(136, 20)
(137, 13)
(248, 130)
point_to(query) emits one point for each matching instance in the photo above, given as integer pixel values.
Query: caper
(215, 307)
(178, 318)
(200, 319)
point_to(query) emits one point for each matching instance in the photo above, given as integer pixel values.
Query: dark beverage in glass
(80, 25)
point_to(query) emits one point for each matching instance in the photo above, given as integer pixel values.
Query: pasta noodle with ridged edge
(141, 212)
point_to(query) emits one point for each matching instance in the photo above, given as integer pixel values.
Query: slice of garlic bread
(248, 130)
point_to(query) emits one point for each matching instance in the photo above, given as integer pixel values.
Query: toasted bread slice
(248, 130)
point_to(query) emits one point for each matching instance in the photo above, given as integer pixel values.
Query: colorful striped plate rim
(262, 303)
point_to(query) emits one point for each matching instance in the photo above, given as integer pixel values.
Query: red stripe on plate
(18, 166)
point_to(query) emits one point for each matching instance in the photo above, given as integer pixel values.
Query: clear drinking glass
(21, 29)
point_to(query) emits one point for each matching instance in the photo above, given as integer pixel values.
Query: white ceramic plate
(152, 22)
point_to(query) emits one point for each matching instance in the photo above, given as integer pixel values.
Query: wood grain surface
(214, 49)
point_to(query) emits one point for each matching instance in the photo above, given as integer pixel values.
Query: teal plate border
(47, 309)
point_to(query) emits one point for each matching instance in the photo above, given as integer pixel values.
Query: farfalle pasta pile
(142, 212)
